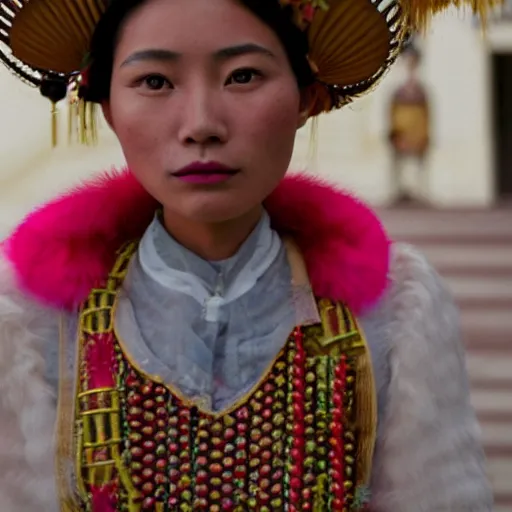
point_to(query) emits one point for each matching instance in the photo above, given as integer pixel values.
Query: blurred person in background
(200, 331)
(410, 128)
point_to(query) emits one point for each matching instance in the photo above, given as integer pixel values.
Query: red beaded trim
(261, 444)
(240, 473)
(185, 468)
(337, 452)
(309, 472)
(201, 467)
(147, 420)
(173, 448)
(229, 449)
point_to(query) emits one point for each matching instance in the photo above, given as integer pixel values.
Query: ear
(303, 118)
(306, 104)
(107, 113)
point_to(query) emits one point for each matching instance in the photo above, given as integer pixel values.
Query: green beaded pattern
(310, 473)
(322, 421)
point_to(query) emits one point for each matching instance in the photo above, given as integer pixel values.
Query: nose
(202, 119)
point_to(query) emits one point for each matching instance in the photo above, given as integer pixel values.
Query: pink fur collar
(68, 246)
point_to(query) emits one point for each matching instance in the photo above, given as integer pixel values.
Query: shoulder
(27, 329)
(415, 288)
(429, 450)
(20, 314)
(27, 402)
(407, 262)
(423, 318)
(414, 329)
(416, 298)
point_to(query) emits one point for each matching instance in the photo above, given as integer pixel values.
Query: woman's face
(203, 82)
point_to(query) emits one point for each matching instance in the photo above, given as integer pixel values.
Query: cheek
(141, 139)
(269, 126)
(272, 124)
(135, 126)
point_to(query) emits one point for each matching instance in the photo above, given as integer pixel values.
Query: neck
(212, 241)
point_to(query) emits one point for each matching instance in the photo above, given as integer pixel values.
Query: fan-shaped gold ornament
(349, 42)
(351, 45)
(55, 34)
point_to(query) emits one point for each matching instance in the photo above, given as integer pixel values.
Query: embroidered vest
(301, 439)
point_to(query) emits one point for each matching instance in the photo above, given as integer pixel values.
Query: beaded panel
(292, 443)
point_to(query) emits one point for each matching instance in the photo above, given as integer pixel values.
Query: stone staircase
(472, 250)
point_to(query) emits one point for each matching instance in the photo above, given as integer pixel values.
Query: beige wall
(351, 146)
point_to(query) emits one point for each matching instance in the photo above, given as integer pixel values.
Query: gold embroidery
(338, 333)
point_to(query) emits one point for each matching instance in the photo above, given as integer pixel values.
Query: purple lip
(205, 169)
(205, 179)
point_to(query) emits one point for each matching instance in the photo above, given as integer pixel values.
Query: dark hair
(105, 38)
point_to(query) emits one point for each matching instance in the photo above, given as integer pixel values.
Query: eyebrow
(223, 54)
(242, 49)
(153, 54)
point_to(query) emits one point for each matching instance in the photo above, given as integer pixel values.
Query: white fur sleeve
(428, 455)
(27, 404)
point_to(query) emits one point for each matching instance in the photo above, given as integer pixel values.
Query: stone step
(480, 287)
(475, 257)
(495, 320)
(486, 326)
(414, 224)
(500, 475)
(484, 342)
(491, 395)
(474, 238)
(492, 401)
(497, 434)
(490, 366)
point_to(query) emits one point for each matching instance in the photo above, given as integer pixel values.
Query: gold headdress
(352, 42)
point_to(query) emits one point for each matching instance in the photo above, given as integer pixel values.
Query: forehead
(194, 26)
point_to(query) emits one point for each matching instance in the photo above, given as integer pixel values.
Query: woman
(146, 316)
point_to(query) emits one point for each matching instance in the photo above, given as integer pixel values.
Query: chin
(215, 211)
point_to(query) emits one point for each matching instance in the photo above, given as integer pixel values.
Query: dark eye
(243, 76)
(156, 82)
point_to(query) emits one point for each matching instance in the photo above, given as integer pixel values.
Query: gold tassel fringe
(82, 120)
(366, 412)
(312, 158)
(420, 12)
(55, 124)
